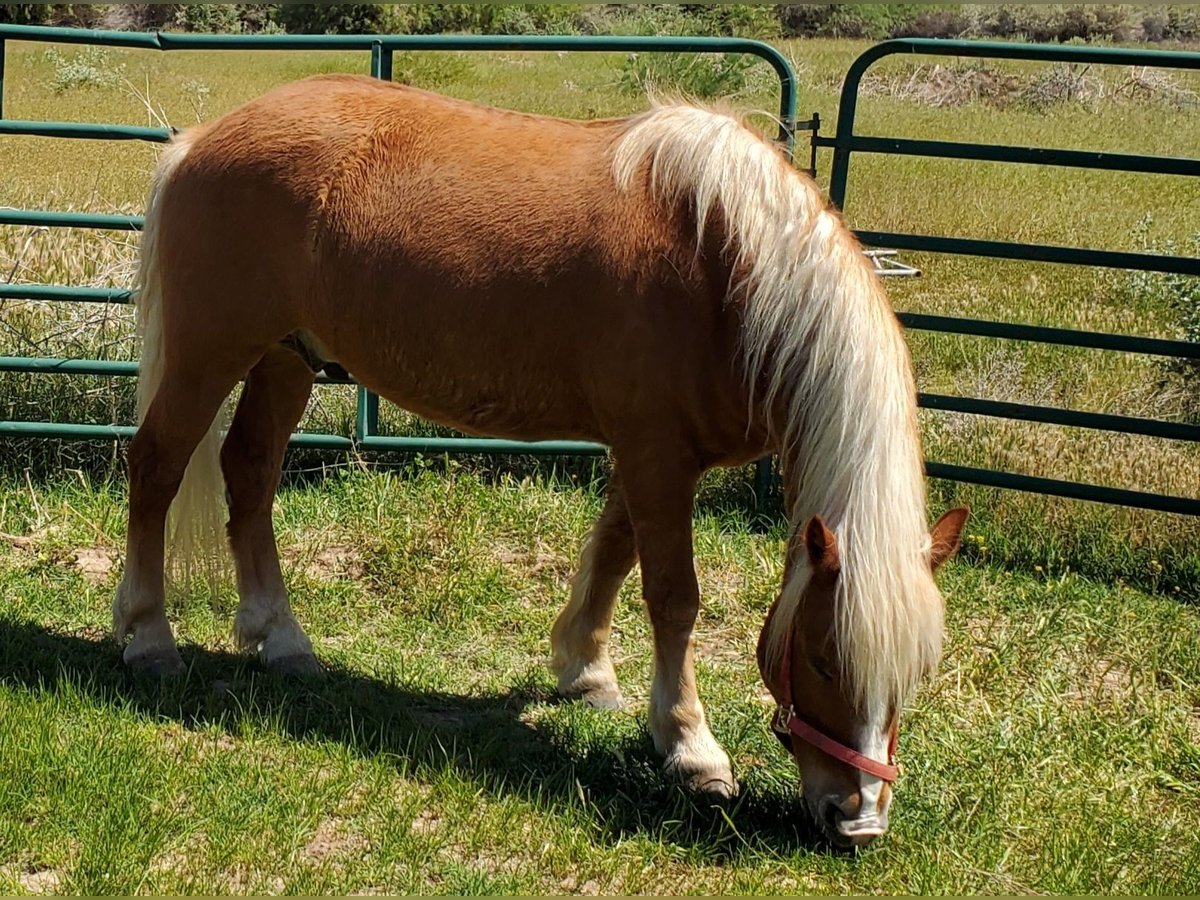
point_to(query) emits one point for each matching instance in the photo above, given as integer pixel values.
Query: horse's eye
(821, 667)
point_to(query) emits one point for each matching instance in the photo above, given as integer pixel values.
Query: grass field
(1057, 750)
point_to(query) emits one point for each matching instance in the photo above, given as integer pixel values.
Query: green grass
(1055, 751)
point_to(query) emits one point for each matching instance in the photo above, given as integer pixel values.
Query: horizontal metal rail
(65, 294)
(1050, 415)
(109, 368)
(89, 130)
(1072, 490)
(74, 432)
(49, 219)
(1068, 337)
(47, 366)
(1075, 256)
(946, 403)
(1039, 156)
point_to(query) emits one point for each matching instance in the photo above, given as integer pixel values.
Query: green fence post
(366, 423)
(381, 61)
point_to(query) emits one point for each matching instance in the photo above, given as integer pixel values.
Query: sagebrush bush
(332, 18)
(700, 75)
(87, 67)
(219, 18)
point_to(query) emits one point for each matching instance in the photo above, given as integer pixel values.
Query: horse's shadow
(486, 738)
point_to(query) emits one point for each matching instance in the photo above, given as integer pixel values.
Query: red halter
(785, 723)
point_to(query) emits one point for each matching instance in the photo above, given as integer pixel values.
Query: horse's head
(845, 747)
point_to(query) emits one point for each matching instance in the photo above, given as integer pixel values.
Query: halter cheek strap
(787, 725)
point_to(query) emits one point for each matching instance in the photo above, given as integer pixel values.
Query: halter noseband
(787, 724)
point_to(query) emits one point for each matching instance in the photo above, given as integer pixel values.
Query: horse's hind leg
(581, 632)
(272, 402)
(659, 493)
(184, 405)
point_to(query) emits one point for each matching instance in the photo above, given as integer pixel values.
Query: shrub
(332, 18)
(1056, 22)
(945, 22)
(856, 20)
(534, 18)
(140, 16)
(219, 18)
(701, 75)
(91, 67)
(24, 13)
(753, 20)
(1183, 22)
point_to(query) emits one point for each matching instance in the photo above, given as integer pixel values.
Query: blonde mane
(826, 366)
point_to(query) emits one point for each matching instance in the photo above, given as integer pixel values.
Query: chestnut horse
(665, 284)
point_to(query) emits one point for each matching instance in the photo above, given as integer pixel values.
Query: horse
(666, 284)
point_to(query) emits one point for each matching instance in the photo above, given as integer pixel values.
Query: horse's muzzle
(848, 832)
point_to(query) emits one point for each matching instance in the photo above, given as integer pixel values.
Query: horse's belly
(475, 376)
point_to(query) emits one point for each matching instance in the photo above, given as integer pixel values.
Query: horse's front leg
(659, 496)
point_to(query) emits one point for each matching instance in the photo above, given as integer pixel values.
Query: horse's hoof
(597, 688)
(157, 662)
(296, 665)
(715, 787)
(603, 698)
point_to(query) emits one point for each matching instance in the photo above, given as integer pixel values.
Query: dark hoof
(715, 788)
(603, 699)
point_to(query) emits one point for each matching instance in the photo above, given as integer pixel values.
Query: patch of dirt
(571, 885)
(19, 541)
(724, 645)
(95, 564)
(40, 881)
(239, 882)
(329, 562)
(535, 561)
(1105, 681)
(333, 841)
(426, 823)
(721, 583)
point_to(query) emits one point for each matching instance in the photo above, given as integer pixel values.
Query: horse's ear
(821, 545)
(946, 536)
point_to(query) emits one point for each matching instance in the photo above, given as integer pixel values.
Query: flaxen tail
(195, 528)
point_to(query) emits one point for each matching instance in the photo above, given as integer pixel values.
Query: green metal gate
(845, 143)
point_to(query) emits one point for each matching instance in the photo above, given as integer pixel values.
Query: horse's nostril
(830, 814)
